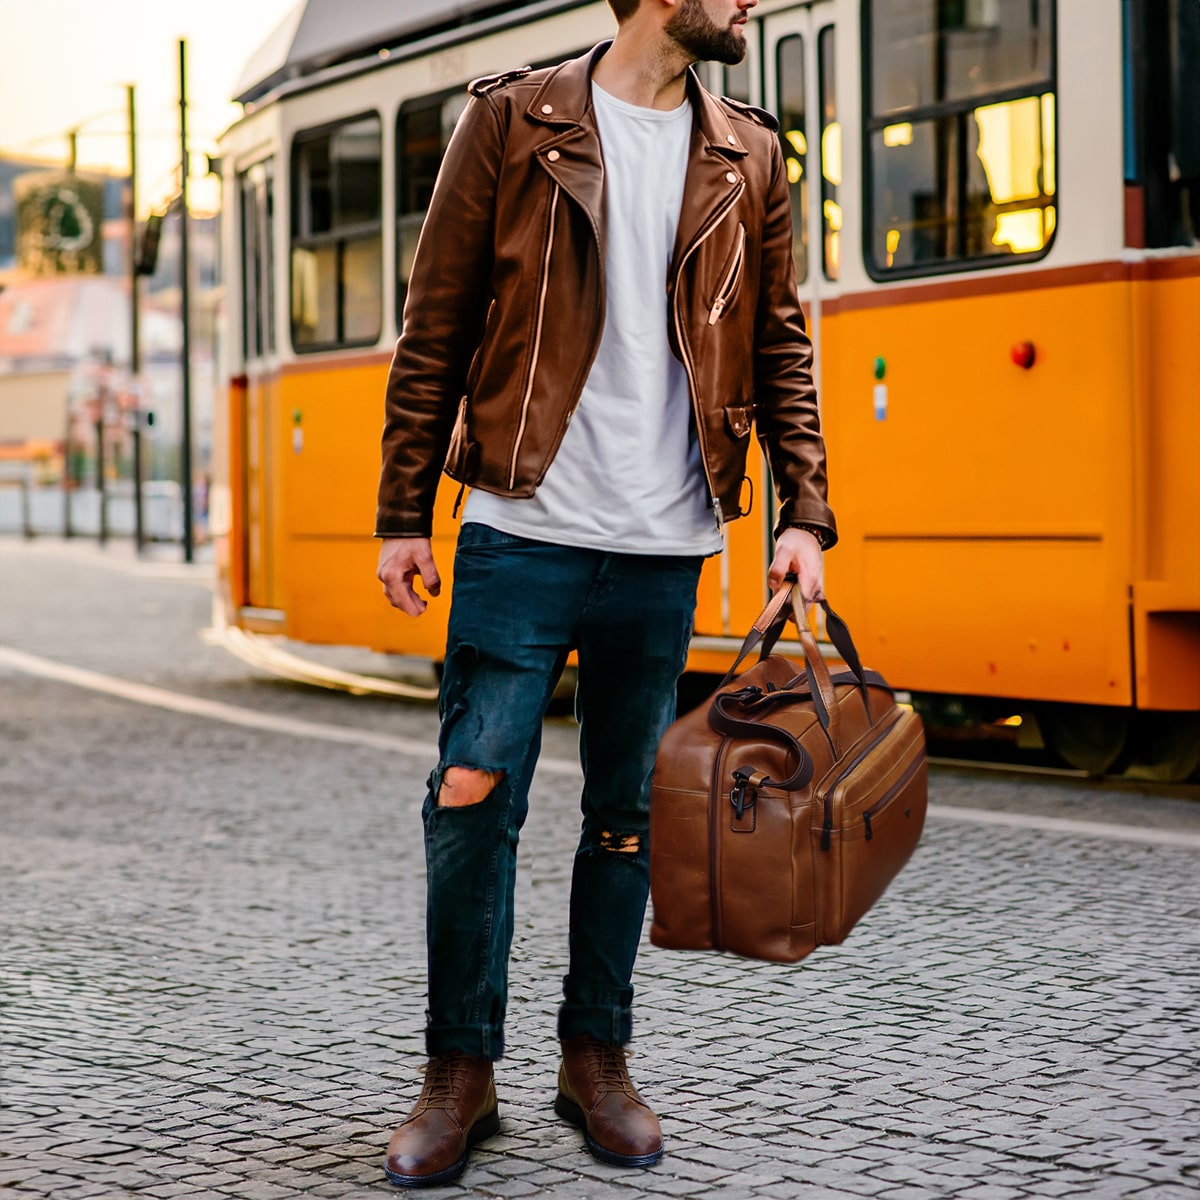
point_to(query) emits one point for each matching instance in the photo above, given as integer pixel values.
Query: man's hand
(797, 552)
(401, 559)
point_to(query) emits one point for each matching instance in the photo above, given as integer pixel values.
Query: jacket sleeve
(789, 425)
(447, 300)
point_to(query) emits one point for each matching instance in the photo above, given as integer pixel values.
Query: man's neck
(644, 67)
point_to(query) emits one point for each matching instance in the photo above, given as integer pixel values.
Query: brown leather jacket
(506, 304)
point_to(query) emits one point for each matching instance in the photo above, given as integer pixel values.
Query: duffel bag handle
(766, 620)
(823, 694)
(839, 635)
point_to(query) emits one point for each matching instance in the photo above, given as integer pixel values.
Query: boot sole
(570, 1111)
(487, 1126)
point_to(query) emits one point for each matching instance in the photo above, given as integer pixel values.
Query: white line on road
(249, 718)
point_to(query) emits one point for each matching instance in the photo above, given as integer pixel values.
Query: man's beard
(694, 32)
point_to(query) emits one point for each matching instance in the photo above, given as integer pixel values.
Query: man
(601, 421)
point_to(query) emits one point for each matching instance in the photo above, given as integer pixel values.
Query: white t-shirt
(628, 475)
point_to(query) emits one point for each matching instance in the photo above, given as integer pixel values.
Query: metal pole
(72, 150)
(101, 487)
(185, 270)
(68, 531)
(135, 349)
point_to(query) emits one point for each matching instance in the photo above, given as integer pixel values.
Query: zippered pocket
(874, 812)
(731, 279)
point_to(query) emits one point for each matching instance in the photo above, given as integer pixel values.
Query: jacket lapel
(572, 157)
(714, 170)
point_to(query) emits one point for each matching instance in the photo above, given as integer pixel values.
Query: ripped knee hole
(464, 786)
(620, 843)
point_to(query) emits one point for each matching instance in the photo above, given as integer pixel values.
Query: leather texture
(783, 807)
(596, 1093)
(506, 301)
(456, 1110)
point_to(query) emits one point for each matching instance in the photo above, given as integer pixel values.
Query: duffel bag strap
(764, 621)
(723, 719)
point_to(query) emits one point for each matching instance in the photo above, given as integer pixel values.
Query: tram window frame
(416, 104)
(799, 188)
(958, 110)
(343, 238)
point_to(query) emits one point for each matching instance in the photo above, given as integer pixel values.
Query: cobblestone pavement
(212, 962)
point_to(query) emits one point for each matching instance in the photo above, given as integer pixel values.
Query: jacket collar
(565, 100)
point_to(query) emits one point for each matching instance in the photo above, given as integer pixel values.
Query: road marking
(249, 718)
(1100, 829)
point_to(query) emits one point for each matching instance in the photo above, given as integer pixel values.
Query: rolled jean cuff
(606, 1023)
(480, 1041)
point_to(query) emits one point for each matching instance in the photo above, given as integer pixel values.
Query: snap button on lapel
(731, 140)
(730, 177)
(547, 109)
(552, 156)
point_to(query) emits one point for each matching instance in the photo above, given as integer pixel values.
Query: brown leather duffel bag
(784, 806)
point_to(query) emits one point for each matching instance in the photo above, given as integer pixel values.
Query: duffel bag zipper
(716, 795)
(890, 795)
(827, 797)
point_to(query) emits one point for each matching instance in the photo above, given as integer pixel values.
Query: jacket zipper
(715, 809)
(890, 795)
(725, 291)
(827, 797)
(537, 341)
(718, 217)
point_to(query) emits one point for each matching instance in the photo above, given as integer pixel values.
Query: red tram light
(1024, 354)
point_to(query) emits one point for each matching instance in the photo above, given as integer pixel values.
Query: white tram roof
(322, 33)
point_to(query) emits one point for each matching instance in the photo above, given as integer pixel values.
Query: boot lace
(609, 1069)
(443, 1081)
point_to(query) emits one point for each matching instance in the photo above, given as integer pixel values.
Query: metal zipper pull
(719, 516)
(715, 312)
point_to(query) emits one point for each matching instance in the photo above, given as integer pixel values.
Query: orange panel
(971, 506)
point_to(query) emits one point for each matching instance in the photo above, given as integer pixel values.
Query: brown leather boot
(596, 1093)
(456, 1110)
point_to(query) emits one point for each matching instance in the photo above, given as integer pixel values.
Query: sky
(65, 63)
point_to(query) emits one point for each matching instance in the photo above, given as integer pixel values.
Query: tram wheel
(1166, 747)
(1088, 737)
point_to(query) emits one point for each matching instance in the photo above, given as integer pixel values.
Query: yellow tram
(997, 216)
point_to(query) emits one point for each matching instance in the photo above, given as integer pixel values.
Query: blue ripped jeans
(518, 608)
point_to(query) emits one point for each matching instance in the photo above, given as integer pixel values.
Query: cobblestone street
(212, 956)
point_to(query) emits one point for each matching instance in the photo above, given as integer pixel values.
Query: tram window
(789, 66)
(927, 52)
(423, 131)
(961, 163)
(257, 200)
(831, 155)
(337, 215)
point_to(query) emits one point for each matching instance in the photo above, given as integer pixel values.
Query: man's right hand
(401, 559)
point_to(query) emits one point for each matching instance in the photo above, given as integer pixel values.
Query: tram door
(259, 416)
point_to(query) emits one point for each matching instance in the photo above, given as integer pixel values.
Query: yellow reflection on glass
(833, 214)
(1022, 231)
(1049, 149)
(1010, 148)
(795, 170)
(893, 244)
(897, 135)
(831, 153)
(798, 141)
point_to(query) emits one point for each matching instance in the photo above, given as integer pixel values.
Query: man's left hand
(797, 552)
